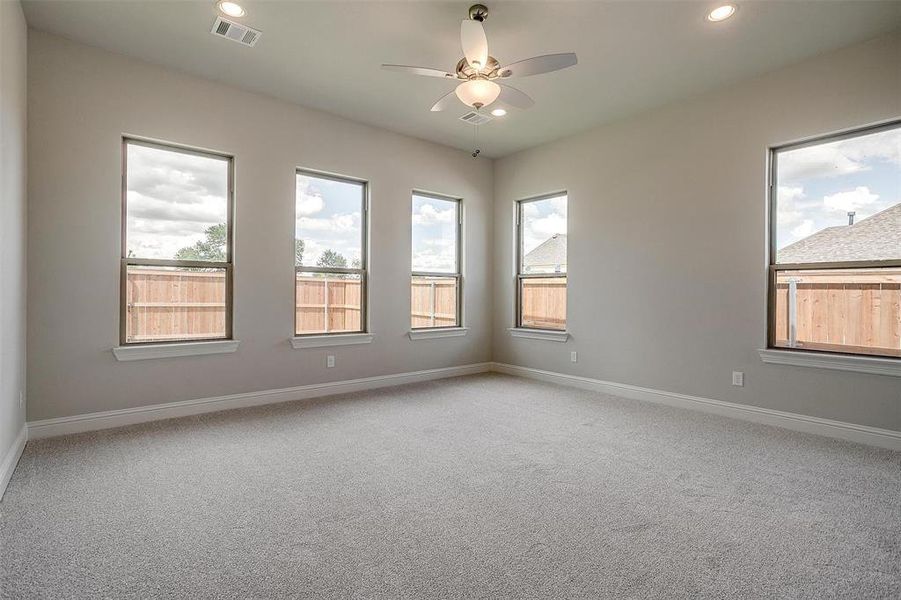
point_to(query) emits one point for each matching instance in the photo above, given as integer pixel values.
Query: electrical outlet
(21, 398)
(330, 361)
(574, 356)
(738, 378)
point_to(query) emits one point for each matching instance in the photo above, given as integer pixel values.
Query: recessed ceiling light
(232, 9)
(721, 13)
(498, 112)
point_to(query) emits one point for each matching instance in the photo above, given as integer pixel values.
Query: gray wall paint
(667, 238)
(12, 221)
(83, 100)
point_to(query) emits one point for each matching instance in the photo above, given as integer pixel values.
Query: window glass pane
(840, 201)
(434, 235)
(176, 204)
(174, 303)
(841, 310)
(543, 302)
(433, 302)
(544, 235)
(328, 303)
(328, 222)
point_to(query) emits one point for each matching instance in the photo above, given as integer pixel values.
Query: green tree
(212, 248)
(330, 258)
(298, 252)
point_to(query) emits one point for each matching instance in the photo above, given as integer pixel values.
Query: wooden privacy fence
(544, 303)
(433, 302)
(163, 304)
(327, 304)
(843, 310)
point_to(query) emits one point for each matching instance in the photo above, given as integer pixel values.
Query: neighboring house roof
(551, 251)
(875, 238)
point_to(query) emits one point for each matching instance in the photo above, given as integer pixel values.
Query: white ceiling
(326, 55)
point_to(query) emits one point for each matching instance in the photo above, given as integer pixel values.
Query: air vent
(474, 118)
(235, 32)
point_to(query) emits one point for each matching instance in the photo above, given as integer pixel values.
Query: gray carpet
(479, 487)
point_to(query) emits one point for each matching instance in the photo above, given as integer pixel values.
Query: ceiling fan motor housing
(465, 71)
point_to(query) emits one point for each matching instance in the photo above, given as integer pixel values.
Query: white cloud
(789, 194)
(543, 219)
(334, 223)
(436, 255)
(172, 198)
(787, 204)
(840, 158)
(308, 199)
(854, 200)
(816, 161)
(338, 232)
(559, 205)
(804, 229)
(549, 225)
(880, 146)
(429, 215)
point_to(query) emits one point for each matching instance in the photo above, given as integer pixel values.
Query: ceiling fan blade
(474, 43)
(511, 96)
(538, 65)
(445, 102)
(419, 71)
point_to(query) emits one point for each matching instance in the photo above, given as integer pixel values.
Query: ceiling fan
(479, 73)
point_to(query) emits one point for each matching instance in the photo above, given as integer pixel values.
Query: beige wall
(83, 100)
(12, 221)
(667, 237)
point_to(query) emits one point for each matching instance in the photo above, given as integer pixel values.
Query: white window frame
(458, 259)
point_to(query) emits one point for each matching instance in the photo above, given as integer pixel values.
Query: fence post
(326, 303)
(434, 300)
(793, 311)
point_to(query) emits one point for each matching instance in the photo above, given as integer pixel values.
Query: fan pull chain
(475, 138)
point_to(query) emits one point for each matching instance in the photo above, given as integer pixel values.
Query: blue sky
(328, 216)
(818, 185)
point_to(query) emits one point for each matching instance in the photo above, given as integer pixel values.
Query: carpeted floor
(480, 487)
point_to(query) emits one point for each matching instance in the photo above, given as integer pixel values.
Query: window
(436, 285)
(329, 254)
(835, 244)
(541, 262)
(176, 280)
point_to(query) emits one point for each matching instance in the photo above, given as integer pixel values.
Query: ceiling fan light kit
(478, 71)
(478, 92)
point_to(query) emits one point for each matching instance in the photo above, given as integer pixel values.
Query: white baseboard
(873, 436)
(156, 412)
(11, 459)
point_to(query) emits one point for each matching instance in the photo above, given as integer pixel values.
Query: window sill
(151, 351)
(333, 339)
(840, 362)
(430, 334)
(539, 334)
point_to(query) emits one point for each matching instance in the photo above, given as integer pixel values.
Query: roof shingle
(550, 252)
(875, 238)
